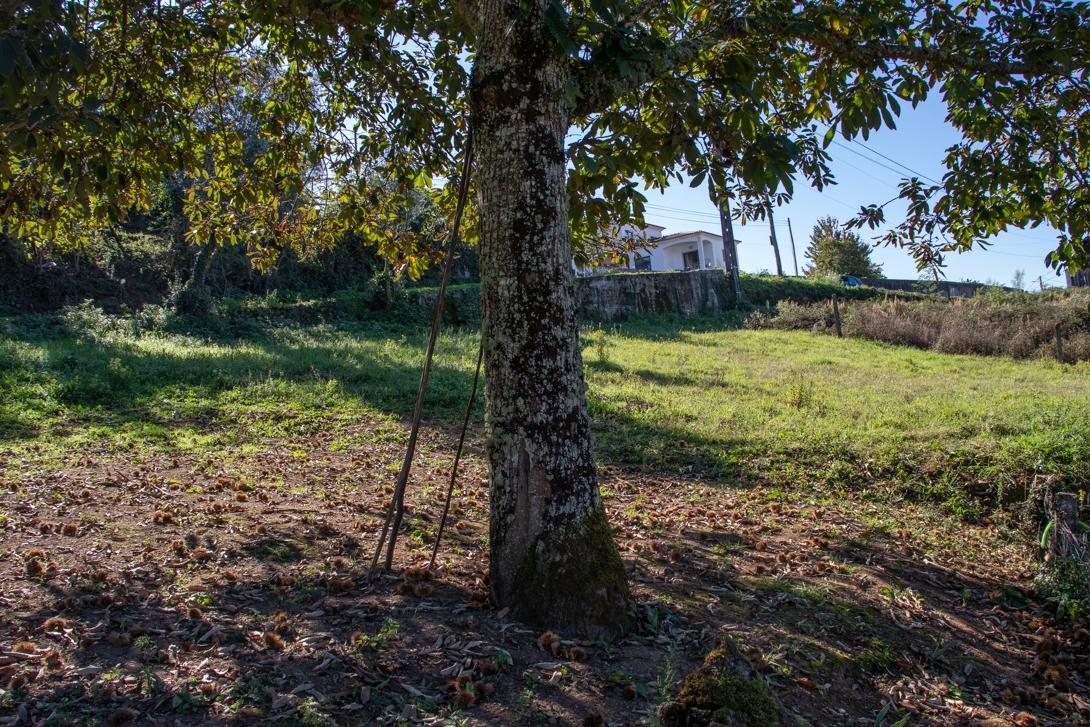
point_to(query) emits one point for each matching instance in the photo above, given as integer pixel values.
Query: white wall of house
(681, 251)
(694, 250)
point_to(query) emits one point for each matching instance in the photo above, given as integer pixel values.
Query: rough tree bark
(553, 559)
(194, 297)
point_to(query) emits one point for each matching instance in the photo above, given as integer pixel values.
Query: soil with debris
(187, 590)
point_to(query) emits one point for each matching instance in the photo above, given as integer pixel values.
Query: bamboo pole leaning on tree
(396, 510)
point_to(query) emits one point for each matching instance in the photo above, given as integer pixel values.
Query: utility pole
(730, 247)
(1040, 282)
(772, 237)
(794, 257)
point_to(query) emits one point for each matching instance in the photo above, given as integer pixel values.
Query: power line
(1014, 254)
(660, 209)
(864, 172)
(864, 156)
(891, 159)
(888, 158)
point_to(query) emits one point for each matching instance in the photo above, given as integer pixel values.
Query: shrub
(794, 316)
(1018, 325)
(90, 322)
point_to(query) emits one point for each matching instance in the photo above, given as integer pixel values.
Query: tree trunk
(194, 298)
(553, 559)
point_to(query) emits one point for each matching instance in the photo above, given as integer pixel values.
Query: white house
(694, 250)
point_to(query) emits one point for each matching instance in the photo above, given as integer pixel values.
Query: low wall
(620, 295)
(609, 297)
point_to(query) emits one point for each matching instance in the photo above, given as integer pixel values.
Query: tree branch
(607, 75)
(874, 53)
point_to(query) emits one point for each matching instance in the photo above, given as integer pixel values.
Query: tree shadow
(662, 327)
(852, 619)
(167, 387)
(189, 641)
(625, 438)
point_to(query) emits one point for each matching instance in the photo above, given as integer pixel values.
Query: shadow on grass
(182, 382)
(661, 327)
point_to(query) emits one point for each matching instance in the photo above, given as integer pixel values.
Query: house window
(690, 260)
(642, 262)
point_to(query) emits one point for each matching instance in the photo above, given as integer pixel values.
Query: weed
(202, 599)
(386, 633)
(877, 654)
(148, 682)
(601, 344)
(801, 394)
(669, 672)
(1066, 583)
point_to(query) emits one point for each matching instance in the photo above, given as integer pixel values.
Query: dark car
(850, 280)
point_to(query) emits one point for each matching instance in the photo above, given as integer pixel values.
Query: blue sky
(864, 177)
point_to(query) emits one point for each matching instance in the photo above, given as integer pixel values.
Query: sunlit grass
(787, 409)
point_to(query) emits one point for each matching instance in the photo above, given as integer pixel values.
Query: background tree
(835, 250)
(573, 105)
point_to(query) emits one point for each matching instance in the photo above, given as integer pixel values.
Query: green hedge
(759, 290)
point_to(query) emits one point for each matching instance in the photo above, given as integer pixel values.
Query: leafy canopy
(835, 250)
(361, 102)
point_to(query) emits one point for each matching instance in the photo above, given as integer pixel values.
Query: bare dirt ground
(161, 590)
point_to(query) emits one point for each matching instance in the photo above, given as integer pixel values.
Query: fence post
(836, 316)
(1059, 345)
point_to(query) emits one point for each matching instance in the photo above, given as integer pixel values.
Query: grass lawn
(782, 409)
(186, 520)
(793, 409)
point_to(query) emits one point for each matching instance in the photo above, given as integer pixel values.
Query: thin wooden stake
(1059, 344)
(457, 456)
(396, 510)
(836, 316)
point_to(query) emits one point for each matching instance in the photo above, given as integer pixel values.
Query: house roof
(689, 233)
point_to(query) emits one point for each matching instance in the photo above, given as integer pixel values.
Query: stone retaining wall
(611, 297)
(620, 295)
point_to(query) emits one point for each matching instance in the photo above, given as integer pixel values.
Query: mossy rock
(729, 689)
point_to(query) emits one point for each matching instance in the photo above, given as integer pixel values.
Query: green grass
(790, 407)
(62, 389)
(691, 398)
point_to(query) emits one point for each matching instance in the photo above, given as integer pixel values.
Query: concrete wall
(618, 296)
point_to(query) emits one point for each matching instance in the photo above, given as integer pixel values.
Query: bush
(798, 317)
(759, 290)
(88, 321)
(1018, 325)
